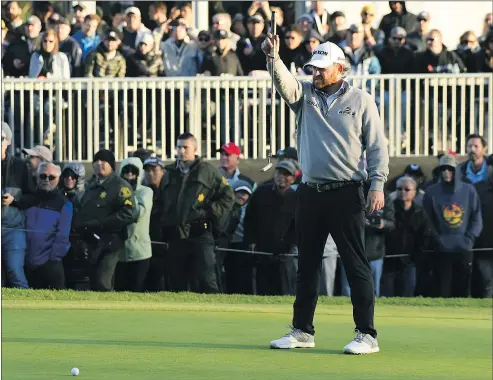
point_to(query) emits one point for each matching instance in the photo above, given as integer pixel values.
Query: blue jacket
(455, 215)
(48, 223)
(87, 43)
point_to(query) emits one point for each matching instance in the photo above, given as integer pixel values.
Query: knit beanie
(107, 156)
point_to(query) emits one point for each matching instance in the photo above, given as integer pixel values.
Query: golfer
(336, 124)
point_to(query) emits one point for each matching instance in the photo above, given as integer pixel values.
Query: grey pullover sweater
(332, 139)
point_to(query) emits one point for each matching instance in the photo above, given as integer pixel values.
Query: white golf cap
(148, 39)
(134, 10)
(326, 55)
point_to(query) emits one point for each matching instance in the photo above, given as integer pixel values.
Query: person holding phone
(15, 184)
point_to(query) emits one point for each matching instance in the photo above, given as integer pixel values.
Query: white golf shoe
(362, 344)
(294, 339)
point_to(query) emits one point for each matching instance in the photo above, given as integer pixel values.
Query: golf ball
(74, 371)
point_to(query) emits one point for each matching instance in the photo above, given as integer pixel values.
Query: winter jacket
(87, 43)
(150, 65)
(192, 201)
(406, 20)
(76, 194)
(485, 193)
(416, 41)
(138, 245)
(269, 220)
(17, 49)
(375, 237)
(409, 237)
(97, 64)
(454, 211)
(73, 51)
(446, 62)
(60, 66)
(16, 179)
(363, 63)
(48, 221)
(399, 61)
(177, 59)
(254, 61)
(480, 63)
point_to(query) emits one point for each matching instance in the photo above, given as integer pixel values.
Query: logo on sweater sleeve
(453, 215)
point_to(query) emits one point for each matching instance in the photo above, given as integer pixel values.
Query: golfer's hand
(268, 46)
(375, 201)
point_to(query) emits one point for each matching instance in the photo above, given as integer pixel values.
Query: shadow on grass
(199, 345)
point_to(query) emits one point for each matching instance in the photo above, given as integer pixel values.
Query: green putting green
(188, 336)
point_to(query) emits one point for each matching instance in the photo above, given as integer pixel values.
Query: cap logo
(321, 52)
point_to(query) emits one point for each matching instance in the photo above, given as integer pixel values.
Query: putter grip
(273, 24)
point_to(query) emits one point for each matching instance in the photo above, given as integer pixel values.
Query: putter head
(266, 167)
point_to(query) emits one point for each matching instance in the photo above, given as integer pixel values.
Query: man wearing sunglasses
(48, 222)
(454, 210)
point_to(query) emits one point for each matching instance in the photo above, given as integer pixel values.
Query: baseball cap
(242, 185)
(113, 33)
(288, 152)
(287, 165)
(148, 39)
(256, 18)
(308, 17)
(448, 160)
(413, 169)
(220, 35)
(423, 16)
(398, 31)
(33, 20)
(39, 151)
(238, 17)
(6, 131)
(326, 55)
(204, 34)
(154, 161)
(370, 8)
(230, 148)
(78, 4)
(134, 10)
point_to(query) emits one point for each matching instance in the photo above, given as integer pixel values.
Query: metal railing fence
(421, 114)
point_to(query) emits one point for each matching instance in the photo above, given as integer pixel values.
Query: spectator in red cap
(230, 159)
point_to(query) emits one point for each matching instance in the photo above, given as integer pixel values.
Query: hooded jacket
(74, 195)
(138, 244)
(405, 20)
(454, 212)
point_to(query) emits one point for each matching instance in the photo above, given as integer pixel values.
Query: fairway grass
(189, 336)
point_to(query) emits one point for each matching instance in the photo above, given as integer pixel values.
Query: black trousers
(191, 264)
(482, 275)
(238, 269)
(156, 279)
(103, 271)
(130, 276)
(276, 276)
(340, 213)
(50, 275)
(452, 272)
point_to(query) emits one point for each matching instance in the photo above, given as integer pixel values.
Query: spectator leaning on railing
(48, 221)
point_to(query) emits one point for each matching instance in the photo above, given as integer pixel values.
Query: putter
(272, 95)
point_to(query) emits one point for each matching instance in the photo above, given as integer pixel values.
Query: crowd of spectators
(119, 44)
(189, 226)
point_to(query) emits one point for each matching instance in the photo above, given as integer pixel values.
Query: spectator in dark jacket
(454, 210)
(106, 61)
(482, 269)
(15, 21)
(378, 225)
(249, 51)
(338, 30)
(398, 17)
(374, 38)
(73, 180)
(482, 61)
(145, 62)
(269, 227)
(467, 47)
(292, 52)
(156, 280)
(395, 57)
(16, 58)
(48, 221)
(70, 47)
(409, 237)
(15, 184)
(33, 33)
(416, 173)
(416, 39)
